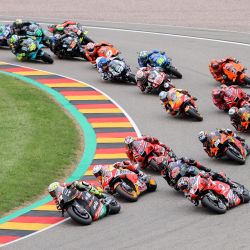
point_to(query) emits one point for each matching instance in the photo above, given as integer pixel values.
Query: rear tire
(75, 216)
(232, 156)
(195, 114)
(206, 202)
(129, 197)
(47, 58)
(173, 71)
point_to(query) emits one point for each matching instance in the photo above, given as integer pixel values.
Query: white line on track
(157, 33)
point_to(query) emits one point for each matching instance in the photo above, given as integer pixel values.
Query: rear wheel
(83, 218)
(129, 196)
(173, 71)
(216, 206)
(47, 58)
(195, 114)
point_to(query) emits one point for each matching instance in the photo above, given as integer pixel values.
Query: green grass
(39, 143)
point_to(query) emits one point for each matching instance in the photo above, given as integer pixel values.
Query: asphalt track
(164, 219)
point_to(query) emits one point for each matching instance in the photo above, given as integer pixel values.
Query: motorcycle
(33, 50)
(224, 145)
(166, 64)
(80, 205)
(127, 184)
(213, 194)
(34, 30)
(157, 81)
(69, 47)
(107, 52)
(184, 105)
(5, 34)
(120, 70)
(235, 72)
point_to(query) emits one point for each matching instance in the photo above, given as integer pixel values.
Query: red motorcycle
(216, 195)
(127, 184)
(157, 81)
(151, 155)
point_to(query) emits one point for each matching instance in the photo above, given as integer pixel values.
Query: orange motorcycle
(226, 145)
(182, 104)
(235, 72)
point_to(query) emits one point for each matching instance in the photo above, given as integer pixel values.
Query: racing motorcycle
(235, 72)
(213, 194)
(80, 205)
(107, 52)
(157, 81)
(166, 64)
(127, 184)
(224, 145)
(120, 70)
(184, 105)
(33, 51)
(5, 34)
(67, 47)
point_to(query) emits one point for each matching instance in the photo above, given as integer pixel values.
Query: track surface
(163, 220)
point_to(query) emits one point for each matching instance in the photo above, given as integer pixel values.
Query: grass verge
(39, 142)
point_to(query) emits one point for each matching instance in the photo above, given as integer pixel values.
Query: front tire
(84, 219)
(47, 58)
(246, 80)
(231, 155)
(131, 78)
(195, 114)
(173, 71)
(208, 203)
(126, 195)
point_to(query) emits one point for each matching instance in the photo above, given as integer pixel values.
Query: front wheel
(131, 78)
(194, 113)
(174, 71)
(246, 80)
(47, 58)
(236, 156)
(129, 196)
(216, 206)
(82, 217)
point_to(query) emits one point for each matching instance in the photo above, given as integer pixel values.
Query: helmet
(90, 47)
(184, 183)
(232, 111)
(98, 170)
(163, 96)
(102, 62)
(214, 65)
(18, 22)
(141, 76)
(128, 141)
(14, 39)
(218, 94)
(143, 55)
(52, 188)
(168, 86)
(202, 136)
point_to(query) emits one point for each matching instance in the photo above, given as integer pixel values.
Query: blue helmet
(102, 62)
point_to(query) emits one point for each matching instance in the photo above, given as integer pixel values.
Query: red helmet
(214, 65)
(141, 76)
(218, 94)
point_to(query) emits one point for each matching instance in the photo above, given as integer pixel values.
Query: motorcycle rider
(54, 187)
(57, 41)
(239, 115)
(153, 59)
(142, 75)
(20, 27)
(225, 97)
(59, 28)
(188, 167)
(188, 185)
(134, 145)
(170, 97)
(16, 45)
(92, 49)
(216, 69)
(5, 32)
(206, 139)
